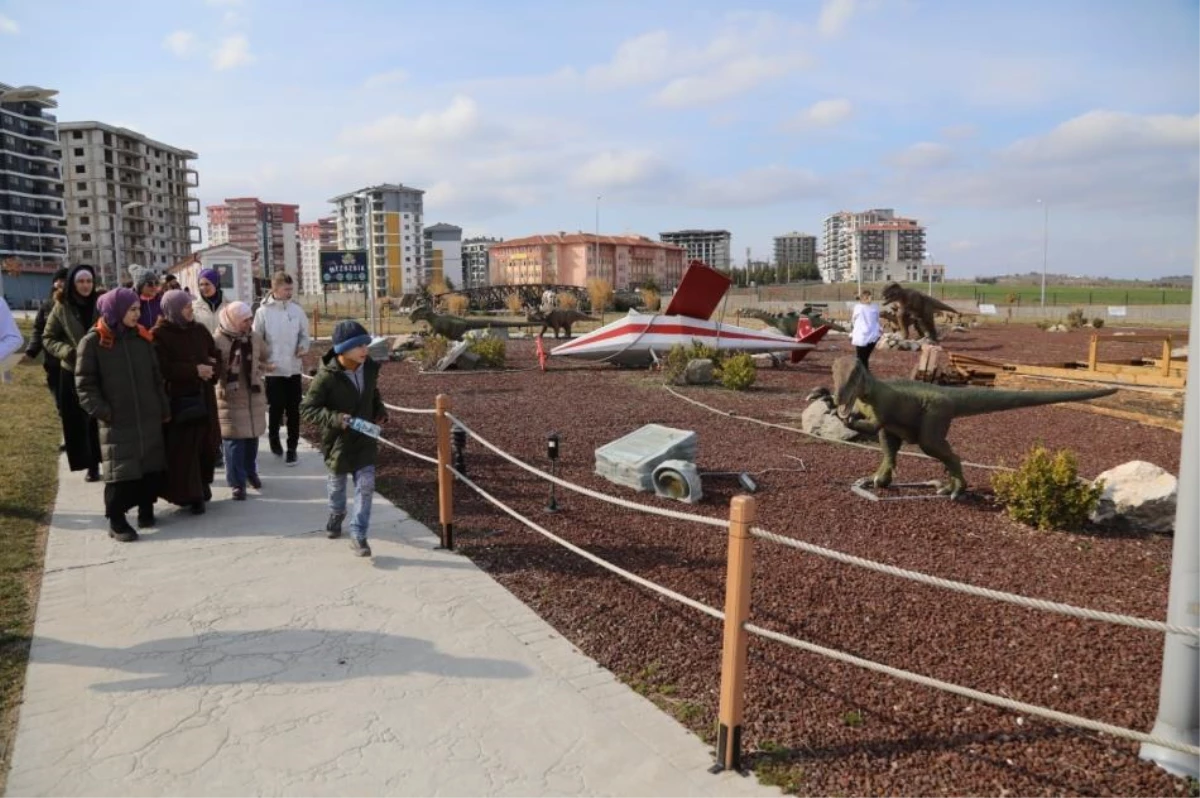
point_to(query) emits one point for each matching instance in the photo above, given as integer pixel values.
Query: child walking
(241, 397)
(346, 387)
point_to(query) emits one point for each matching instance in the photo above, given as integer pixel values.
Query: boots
(120, 530)
(333, 529)
(146, 517)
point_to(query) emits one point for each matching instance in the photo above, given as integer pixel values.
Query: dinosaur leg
(890, 446)
(939, 449)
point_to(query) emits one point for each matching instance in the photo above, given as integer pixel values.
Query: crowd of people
(157, 390)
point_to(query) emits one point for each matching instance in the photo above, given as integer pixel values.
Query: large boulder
(820, 419)
(698, 372)
(1139, 493)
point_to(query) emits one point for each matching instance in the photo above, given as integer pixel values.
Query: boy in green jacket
(347, 387)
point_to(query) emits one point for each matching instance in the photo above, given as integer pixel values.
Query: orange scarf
(108, 337)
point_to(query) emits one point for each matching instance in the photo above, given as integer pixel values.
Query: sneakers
(290, 460)
(333, 528)
(120, 530)
(254, 481)
(276, 447)
(360, 547)
(146, 519)
(239, 494)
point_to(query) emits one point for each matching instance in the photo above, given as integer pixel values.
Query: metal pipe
(1179, 687)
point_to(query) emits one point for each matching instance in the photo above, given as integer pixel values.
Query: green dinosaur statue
(903, 411)
(787, 323)
(454, 327)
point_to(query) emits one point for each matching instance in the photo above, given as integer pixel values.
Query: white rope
(977, 695)
(699, 519)
(646, 583)
(422, 411)
(856, 445)
(408, 452)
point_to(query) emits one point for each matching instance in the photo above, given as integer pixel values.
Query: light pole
(1045, 245)
(598, 198)
(118, 234)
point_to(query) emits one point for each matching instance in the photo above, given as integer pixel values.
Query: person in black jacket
(49, 363)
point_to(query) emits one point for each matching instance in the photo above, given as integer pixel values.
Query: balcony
(194, 181)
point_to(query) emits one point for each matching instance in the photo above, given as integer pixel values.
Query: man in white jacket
(11, 340)
(284, 327)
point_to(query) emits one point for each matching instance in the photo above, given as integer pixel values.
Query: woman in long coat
(120, 385)
(73, 315)
(241, 395)
(191, 366)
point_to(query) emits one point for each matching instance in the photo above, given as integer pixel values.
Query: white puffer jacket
(284, 327)
(206, 315)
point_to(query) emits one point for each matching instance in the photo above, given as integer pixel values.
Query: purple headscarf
(213, 276)
(113, 305)
(173, 303)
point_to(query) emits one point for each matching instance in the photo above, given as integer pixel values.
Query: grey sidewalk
(243, 653)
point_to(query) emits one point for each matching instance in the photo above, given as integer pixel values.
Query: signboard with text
(341, 266)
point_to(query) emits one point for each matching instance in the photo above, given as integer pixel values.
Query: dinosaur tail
(942, 307)
(973, 402)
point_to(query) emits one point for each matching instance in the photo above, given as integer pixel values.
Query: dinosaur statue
(903, 411)
(557, 319)
(453, 327)
(787, 323)
(915, 308)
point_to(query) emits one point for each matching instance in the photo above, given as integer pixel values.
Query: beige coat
(242, 408)
(206, 315)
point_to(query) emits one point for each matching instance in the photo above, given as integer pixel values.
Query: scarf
(173, 304)
(241, 350)
(108, 337)
(84, 306)
(215, 300)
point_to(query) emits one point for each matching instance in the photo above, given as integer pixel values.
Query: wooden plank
(1100, 376)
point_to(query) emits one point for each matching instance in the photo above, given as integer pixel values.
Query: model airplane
(639, 339)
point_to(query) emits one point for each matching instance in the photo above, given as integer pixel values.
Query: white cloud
(458, 121)
(9, 26)
(232, 52)
(181, 42)
(233, 19)
(1099, 134)
(755, 187)
(643, 59)
(834, 16)
(821, 114)
(382, 80)
(960, 132)
(728, 80)
(923, 155)
(611, 170)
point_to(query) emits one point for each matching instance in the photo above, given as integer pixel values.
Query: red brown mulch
(815, 725)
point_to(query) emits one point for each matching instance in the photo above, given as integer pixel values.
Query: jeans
(241, 460)
(364, 489)
(283, 396)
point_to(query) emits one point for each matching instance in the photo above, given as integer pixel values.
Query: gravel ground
(815, 726)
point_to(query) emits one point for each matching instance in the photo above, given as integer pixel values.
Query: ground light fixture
(552, 450)
(458, 448)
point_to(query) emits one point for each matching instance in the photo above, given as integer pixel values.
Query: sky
(1009, 129)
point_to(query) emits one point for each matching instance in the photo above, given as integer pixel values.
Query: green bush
(1045, 491)
(1097, 322)
(738, 372)
(1044, 324)
(436, 347)
(675, 363)
(491, 351)
(1075, 319)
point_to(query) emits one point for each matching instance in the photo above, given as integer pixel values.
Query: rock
(821, 419)
(405, 343)
(1140, 493)
(1057, 328)
(698, 372)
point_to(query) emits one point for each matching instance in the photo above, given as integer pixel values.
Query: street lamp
(118, 234)
(1045, 245)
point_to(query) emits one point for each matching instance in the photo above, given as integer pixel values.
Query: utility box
(631, 460)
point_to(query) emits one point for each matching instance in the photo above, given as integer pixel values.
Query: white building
(386, 221)
(235, 265)
(127, 199)
(314, 238)
(475, 261)
(710, 246)
(872, 246)
(443, 255)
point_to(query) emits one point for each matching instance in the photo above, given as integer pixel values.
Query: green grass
(29, 440)
(999, 294)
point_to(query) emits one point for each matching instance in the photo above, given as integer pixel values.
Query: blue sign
(340, 266)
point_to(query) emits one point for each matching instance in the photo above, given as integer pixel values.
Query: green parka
(333, 395)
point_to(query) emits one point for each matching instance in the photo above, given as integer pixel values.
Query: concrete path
(243, 653)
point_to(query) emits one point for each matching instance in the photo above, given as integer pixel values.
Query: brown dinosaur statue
(453, 327)
(916, 309)
(903, 411)
(557, 319)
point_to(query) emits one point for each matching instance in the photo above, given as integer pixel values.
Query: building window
(76, 134)
(81, 186)
(83, 203)
(79, 152)
(80, 169)
(85, 237)
(85, 220)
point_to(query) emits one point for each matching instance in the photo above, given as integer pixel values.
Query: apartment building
(475, 261)
(872, 246)
(709, 246)
(128, 199)
(267, 230)
(315, 237)
(33, 241)
(443, 254)
(794, 250)
(386, 222)
(626, 262)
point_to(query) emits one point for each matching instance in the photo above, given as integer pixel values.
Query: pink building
(571, 259)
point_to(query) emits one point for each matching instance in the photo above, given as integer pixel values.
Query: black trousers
(121, 497)
(283, 397)
(864, 353)
(52, 370)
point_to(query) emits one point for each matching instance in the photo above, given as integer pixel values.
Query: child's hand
(382, 418)
(345, 421)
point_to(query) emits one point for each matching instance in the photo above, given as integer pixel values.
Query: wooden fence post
(445, 478)
(733, 653)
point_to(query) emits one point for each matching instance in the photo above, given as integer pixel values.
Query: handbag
(189, 409)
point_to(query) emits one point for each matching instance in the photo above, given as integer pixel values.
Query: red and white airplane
(639, 339)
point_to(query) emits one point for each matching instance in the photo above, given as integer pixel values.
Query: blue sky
(759, 118)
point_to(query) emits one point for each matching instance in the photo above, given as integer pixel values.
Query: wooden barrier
(445, 478)
(733, 654)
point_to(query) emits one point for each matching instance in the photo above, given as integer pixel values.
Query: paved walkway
(243, 653)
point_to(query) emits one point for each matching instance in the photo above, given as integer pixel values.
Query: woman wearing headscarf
(121, 386)
(73, 315)
(241, 397)
(190, 365)
(149, 297)
(208, 305)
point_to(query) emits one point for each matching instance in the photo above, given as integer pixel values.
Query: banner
(342, 266)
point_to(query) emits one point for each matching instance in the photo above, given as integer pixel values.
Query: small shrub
(436, 347)
(1045, 491)
(738, 372)
(513, 303)
(457, 304)
(491, 351)
(566, 300)
(438, 286)
(675, 364)
(1075, 319)
(650, 299)
(1044, 324)
(1097, 322)
(600, 294)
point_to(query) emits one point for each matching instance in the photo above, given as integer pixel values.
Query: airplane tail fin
(805, 334)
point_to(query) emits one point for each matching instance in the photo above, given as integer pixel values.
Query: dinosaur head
(849, 382)
(534, 314)
(892, 292)
(420, 313)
